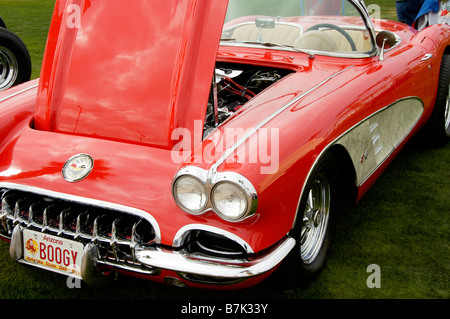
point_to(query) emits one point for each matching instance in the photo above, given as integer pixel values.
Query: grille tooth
(36, 214)
(67, 222)
(30, 214)
(5, 209)
(134, 240)
(45, 214)
(62, 217)
(95, 229)
(114, 238)
(79, 224)
(116, 233)
(17, 209)
(22, 210)
(8, 202)
(6, 227)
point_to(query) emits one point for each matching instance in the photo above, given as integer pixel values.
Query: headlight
(190, 194)
(229, 201)
(228, 194)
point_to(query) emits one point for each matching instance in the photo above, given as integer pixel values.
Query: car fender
(17, 107)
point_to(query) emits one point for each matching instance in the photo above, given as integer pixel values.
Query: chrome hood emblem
(77, 167)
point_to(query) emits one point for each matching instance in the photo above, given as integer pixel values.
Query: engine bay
(233, 86)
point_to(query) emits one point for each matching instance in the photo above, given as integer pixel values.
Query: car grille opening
(211, 246)
(116, 233)
(208, 244)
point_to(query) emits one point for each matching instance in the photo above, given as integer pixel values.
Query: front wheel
(312, 231)
(316, 216)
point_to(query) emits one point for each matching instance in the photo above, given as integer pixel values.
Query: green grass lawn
(402, 224)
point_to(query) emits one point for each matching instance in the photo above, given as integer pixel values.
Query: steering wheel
(335, 27)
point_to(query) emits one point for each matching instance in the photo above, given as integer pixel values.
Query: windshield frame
(364, 15)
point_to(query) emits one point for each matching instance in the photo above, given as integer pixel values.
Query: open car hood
(131, 71)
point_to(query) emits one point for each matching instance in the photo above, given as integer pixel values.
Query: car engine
(234, 85)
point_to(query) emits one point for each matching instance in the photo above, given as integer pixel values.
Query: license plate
(52, 253)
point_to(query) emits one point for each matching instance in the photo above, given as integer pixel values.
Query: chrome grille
(115, 233)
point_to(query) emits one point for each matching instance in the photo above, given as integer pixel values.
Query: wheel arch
(346, 174)
(447, 50)
(335, 160)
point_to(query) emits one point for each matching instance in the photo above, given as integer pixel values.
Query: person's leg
(403, 12)
(408, 10)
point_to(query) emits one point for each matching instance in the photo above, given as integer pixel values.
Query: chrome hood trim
(255, 129)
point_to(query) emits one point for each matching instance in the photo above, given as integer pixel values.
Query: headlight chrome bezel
(210, 182)
(203, 201)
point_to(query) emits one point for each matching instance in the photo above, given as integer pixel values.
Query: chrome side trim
(242, 140)
(89, 201)
(19, 92)
(179, 262)
(371, 129)
(181, 235)
(374, 139)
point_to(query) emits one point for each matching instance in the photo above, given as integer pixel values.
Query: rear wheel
(15, 62)
(318, 207)
(439, 123)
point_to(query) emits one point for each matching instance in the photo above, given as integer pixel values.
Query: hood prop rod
(215, 101)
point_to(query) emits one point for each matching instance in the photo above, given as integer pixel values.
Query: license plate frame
(52, 253)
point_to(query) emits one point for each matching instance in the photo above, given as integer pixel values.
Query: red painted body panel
(92, 99)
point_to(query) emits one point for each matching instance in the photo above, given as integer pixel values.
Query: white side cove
(372, 141)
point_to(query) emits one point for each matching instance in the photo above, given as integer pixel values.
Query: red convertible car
(209, 143)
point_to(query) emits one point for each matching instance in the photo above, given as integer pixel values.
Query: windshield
(333, 27)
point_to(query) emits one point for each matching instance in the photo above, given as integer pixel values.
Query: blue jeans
(407, 10)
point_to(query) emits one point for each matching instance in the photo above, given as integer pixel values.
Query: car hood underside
(129, 72)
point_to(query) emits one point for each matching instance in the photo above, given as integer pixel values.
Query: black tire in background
(15, 61)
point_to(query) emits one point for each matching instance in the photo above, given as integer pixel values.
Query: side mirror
(385, 40)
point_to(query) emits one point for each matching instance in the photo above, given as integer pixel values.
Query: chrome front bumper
(217, 268)
(188, 266)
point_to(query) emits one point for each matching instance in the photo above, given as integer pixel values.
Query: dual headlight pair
(228, 194)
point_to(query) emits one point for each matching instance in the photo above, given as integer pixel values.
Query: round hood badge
(77, 167)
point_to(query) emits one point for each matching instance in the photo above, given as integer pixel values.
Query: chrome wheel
(9, 68)
(447, 112)
(319, 205)
(315, 219)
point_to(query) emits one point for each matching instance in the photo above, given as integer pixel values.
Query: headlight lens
(229, 201)
(190, 193)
